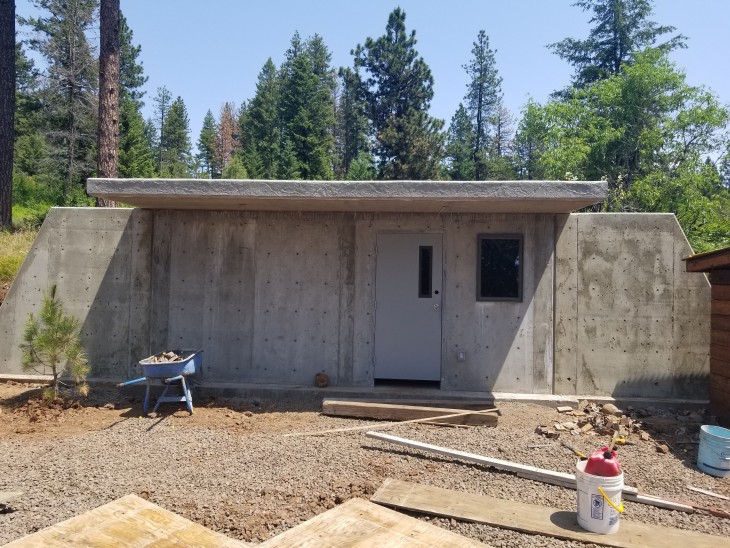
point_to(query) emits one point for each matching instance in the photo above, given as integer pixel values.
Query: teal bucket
(714, 454)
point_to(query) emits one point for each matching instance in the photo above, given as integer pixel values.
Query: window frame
(487, 236)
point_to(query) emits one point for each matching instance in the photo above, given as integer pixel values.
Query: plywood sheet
(532, 519)
(362, 524)
(131, 522)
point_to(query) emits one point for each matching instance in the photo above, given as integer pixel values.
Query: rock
(625, 421)
(644, 436)
(563, 408)
(559, 426)
(586, 428)
(569, 425)
(662, 448)
(321, 380)
(611, 409)
(248, 414)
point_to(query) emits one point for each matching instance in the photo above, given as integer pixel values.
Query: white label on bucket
(597, 507)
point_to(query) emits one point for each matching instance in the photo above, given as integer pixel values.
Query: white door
(408, 307)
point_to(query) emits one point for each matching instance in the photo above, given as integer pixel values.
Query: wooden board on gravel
(393, 412)
(360, 523)
(7, 496)
(131, 522)
(529, 518)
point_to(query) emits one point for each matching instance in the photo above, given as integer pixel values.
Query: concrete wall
(99, 261)
(629, 320)
(275, 297)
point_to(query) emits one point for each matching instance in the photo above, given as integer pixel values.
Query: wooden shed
(717, 264)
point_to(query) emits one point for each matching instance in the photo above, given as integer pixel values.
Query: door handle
(436, 306)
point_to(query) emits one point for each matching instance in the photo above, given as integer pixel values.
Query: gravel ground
(230, 467)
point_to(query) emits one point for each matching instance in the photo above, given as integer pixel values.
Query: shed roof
(391, 196)
(718, 259)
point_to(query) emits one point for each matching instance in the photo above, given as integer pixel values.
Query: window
(499, 267)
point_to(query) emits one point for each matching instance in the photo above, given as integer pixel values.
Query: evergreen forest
(627, 116)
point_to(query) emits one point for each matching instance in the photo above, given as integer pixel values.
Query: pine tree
(206, 143)
(261, 131)
(163, 102)
(460, 147)
(136, 159)
(136, 155)
(7, 110)
(484, 94)
(176, 155)
(109, 112)
(51, 342)
(397, 87)
(72, 81)
(225, 142)
(132, 76)
(621, 28)
(306, 105)
(352, 123)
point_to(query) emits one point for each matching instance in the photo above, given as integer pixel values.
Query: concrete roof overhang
(373, 196)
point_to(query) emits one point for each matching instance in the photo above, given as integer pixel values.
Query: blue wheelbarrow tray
(170, 373)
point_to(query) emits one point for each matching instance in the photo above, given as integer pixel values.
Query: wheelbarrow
(170, 373)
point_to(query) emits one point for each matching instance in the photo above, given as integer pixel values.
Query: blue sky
(211, 52)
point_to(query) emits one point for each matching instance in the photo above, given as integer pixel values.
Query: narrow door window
(425, 270)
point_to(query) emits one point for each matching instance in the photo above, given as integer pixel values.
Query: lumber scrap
(127, 521)
(474, 405)
(708, 493)
(7, 496)
(384, 425)
(360, 523)
(528, 472)
(532, 519)
(396, 412)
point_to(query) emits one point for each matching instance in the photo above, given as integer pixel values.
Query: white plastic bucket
(595, 513)
(714, 455)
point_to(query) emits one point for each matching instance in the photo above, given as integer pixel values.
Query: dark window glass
(500, 269)
(425, 268)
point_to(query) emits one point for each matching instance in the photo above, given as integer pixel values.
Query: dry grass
(14, 246)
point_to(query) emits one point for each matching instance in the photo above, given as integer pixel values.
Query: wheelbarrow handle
(135, 381)
(173, 379)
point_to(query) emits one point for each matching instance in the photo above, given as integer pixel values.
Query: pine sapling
(51, 342)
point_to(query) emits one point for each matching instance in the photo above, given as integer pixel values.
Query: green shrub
(14, 247)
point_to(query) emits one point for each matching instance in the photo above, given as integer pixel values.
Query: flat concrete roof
(389, 196)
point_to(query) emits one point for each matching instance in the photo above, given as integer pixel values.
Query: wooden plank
(385, 425)
(706, 492)
(7, 496)
(362, 524)
(721, 308)
(720, 323)
(710, 260)
(528, 472)
(719, 367)
(720, 277)
(393, 412)
(532, 519)
(474, 405)
(720, 337)
(721, 353)
(131, 522)
(720, 292)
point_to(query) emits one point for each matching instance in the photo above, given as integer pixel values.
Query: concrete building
(469, 287)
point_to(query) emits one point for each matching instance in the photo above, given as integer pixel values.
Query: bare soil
(230, 466)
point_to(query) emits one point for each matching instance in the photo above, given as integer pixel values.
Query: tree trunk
(7, 110)
(109, 59)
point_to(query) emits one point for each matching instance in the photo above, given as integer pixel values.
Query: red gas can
(603, 462)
